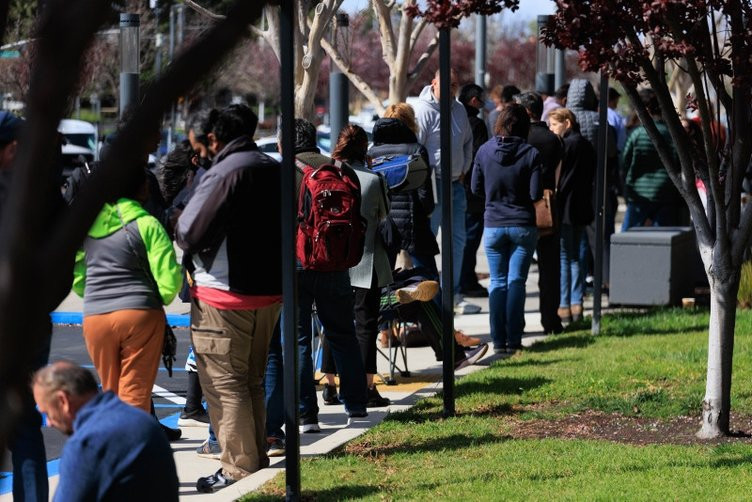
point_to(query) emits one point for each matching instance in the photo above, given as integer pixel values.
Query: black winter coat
(574, 193)
(409, 211)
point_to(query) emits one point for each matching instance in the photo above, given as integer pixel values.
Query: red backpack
(331, 231)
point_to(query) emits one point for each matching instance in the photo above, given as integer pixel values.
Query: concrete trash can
(654, 266)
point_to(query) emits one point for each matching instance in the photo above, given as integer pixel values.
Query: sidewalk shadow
(452, 442)
(344, 492)
(645, 322)
(500, 385)
(557, 342)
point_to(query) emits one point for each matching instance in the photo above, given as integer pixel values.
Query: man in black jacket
(471, 96)
(232, 230)
(547, 250)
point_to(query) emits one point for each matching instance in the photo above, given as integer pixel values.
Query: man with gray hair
(116, 451)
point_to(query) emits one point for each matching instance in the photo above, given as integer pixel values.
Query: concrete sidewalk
(424, 381)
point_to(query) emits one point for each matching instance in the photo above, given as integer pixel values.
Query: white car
(268, 145)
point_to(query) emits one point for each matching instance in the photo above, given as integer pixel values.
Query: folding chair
(389, 316)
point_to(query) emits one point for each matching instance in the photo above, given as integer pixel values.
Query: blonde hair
(403, 112)
(562, 115)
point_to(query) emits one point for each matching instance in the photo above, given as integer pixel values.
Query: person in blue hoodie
(506, 174)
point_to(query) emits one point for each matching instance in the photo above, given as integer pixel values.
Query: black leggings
(366, 310)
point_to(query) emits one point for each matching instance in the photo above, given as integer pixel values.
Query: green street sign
(9, 54)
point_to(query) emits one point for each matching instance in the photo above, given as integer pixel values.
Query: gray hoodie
(429, 135)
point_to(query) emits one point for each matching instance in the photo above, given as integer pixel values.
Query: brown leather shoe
(466, 341)
(565, 314)
(576, 312)
(422, 292)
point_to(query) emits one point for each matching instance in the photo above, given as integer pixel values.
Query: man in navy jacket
(116, 451)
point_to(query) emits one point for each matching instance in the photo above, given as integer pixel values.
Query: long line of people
(218, 203)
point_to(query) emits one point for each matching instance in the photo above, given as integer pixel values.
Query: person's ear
(62, 401)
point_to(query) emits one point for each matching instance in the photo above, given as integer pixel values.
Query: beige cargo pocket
(213, 347)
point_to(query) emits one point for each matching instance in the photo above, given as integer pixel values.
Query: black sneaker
(376, 400)
(471, 356)
(310, 424)
(275, 447)
(196, 418)
(172, 434)
(330, 394)
(354, 416)
(213, 482)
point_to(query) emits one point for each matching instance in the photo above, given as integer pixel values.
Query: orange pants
(125, 347)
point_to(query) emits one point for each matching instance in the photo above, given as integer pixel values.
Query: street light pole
(600, 198)
(130, 25)
(447, 282)
(289, 320)
(480, 50)
(339, 86)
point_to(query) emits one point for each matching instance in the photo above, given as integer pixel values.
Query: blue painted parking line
(53, 466)
(177, 320)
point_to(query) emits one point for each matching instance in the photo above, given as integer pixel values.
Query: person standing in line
(372, 273)
(501, 97)
(115, 451)
(471, 97)
(427, 111)
(331, 292)
(551, 149)
(237, 289)
(26, 443)
(652, 199)
(575, 209)
(506, 173)
(558, 100)
(125, 272)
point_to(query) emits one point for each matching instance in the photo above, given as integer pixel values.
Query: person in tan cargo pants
(231, 230)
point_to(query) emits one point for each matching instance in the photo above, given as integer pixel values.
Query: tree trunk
(716, 406)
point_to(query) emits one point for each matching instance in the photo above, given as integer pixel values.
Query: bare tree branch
(415, 35)
(203, 10)
(356, 80)
(423, 59)
(384, 16)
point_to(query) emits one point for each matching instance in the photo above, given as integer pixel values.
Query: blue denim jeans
(572, 282)
(473, 236)
(459, 208)
(27, 445)
(509, 251)
(274, 387)
(660, 214)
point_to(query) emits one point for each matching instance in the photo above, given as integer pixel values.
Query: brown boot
(576, 312)
(564, 314)
(466, 341)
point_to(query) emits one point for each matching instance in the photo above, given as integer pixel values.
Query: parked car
(80, 144)
(268, 145)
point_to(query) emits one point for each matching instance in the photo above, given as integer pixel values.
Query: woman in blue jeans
(505, 174)
(574, 207)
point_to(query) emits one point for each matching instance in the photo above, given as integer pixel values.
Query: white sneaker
(312, 427)
(464, 307)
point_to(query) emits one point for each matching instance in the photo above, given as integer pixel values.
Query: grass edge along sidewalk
(573, 417)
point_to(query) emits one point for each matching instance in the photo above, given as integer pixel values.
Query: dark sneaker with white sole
(196, 418)
(213, 482)
(472, 356)
(275, 447)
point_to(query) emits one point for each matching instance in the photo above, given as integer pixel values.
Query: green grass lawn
(647, 366)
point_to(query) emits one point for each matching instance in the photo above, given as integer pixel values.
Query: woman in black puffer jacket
(410, 211)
